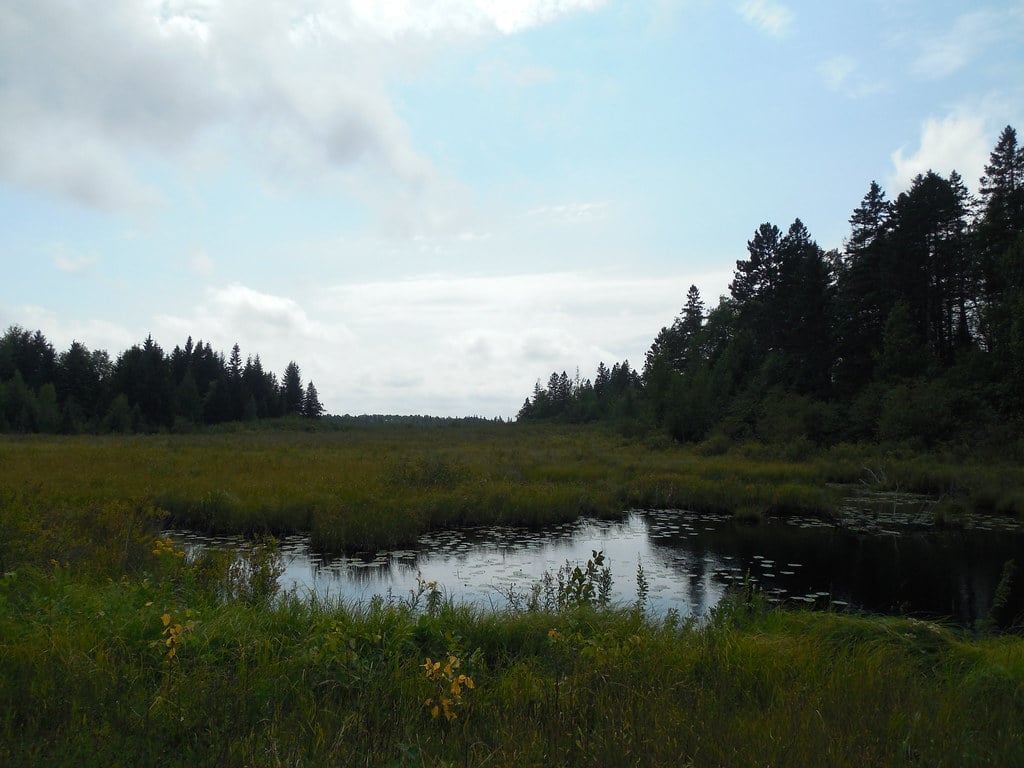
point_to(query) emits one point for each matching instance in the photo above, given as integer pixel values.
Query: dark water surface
(881, 560)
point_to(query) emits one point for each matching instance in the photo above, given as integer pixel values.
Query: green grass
(87, 679)
(373, 487)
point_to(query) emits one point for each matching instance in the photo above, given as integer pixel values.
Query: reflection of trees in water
(930, 572)
(937, 573)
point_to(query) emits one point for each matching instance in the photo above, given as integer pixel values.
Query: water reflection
(688, 560)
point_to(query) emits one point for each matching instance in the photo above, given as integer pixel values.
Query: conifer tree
(291, 390)
(311, 406)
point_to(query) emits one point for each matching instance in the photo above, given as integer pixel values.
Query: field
(380, 486)
(115, 649)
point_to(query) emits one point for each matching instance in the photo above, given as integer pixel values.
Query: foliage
(924, 299)
(143, 390)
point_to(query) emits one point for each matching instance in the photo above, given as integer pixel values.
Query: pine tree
(926, 266)
(311, 406)
(1002, 192)
(756, 277)
(291, 390)
(1000, 227)
(693, 313)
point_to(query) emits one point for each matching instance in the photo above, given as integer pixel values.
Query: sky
(431, 205)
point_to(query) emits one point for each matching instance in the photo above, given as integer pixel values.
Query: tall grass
(367, 488)
(165, 666)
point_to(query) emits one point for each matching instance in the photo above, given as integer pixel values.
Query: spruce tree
(291, 390)
(311, 406)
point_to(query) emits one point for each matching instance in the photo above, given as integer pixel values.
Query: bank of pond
(199, 660)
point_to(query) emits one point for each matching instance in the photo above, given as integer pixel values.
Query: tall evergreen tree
(291, 390)
(863, 297)
(1002, 195)
(1000, 228)
(926, 264)
(312, 408)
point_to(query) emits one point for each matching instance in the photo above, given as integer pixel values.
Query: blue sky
(431, 205)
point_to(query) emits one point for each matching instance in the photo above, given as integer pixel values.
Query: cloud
(461, 17)
(278, 328)
(946, 53)
(772, 18)
(263, 314)
(66, 156)
(480, 343)
(842, 74)
(86, 90)
(96, 96)
(959, 141)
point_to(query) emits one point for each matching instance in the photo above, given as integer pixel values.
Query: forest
(144, 390)
(912, 333)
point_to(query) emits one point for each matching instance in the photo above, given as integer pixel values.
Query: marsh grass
(373, 487)
(93, 670)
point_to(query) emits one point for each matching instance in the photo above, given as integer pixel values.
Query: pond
(866, 560)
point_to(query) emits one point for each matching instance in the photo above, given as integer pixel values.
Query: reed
(168, 665)
(371, 487)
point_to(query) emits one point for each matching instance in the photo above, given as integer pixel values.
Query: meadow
(117, 649)
(374, 487)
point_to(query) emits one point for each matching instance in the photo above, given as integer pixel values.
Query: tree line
(912, 331)
(143, 390)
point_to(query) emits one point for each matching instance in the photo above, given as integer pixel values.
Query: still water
(896, 564)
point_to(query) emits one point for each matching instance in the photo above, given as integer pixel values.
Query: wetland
(867, 637)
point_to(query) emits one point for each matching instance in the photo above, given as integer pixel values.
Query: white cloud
(236, 309)
(277, 328)
(960, 141)
(477, 345)
(67, 156)
(772, 18)
(94, 96)
(971, 33)
(391, 18)
(843, 74)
